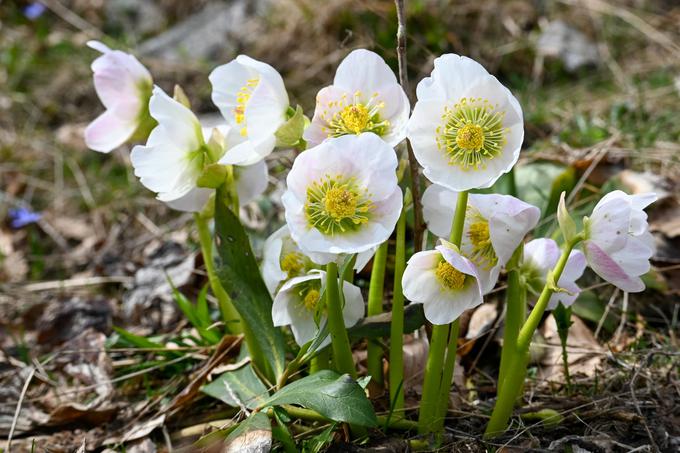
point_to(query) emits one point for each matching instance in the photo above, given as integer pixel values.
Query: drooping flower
(252, 98)
(299, 305)
(343, 195)
(494, 227)
(618, 244)
(365, 97)
(282, 259)
(444, 281)
(174, 156)
(466, 128)
(124, 86)
(540, 257)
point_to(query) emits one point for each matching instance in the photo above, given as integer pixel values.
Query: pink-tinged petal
(604, 266)
(109, 131)
(363, 70)
(566, 298)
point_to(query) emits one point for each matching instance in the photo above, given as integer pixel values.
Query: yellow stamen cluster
(449, 277)
(337, 205)
(471, 133)
(482, 253)
(242, 98)
(293, 263)
(353, 117)
(311, 299)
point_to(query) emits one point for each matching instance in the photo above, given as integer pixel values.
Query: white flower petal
(110, 129)
(180, 124)
(251, 181)
(193, 201)
(363, 70)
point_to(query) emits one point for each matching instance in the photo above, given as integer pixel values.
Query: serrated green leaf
(240, 276)
(337, 397)
(238, 388)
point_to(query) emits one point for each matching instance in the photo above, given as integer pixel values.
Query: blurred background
(84, 247)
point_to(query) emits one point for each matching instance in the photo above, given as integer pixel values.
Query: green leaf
(252, 434)
(237, 388)
(337, 397)
(202, 310)
(290, 133)
(137, 340)
(240, 277)
(378, 326)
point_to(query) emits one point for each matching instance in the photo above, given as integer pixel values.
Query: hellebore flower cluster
(343, 202)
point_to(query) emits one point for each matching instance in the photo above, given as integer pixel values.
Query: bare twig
(418, 225)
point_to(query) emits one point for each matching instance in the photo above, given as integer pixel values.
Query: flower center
(353, 117)
(470, 137)
(311, 299)
(293, 263)
(242, 98)
(449, 277)
(482, 252)
(336, 205)
(340, 203)
(471, 133)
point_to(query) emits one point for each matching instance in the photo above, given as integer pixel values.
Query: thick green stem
(432, 381)
(514, 312)
(320, 361)
(342, 352)
(230, 316)
(447, 374)
(397, 326)
(516, 370)
(432, 385)
(375, 307)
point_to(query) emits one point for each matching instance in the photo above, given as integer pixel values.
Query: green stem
(516, 370)
(342, 352)
(397, 326)
(230, 316)
(432, 381)
(447, 375)
(432, 385)
(320, 361)
(513, 312)
(375, 307)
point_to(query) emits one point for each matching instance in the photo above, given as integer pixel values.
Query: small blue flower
(34, 10)
(20, 217)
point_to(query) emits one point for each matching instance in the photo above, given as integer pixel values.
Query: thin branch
(412, 163)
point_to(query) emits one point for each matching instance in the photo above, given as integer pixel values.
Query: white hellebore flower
(444, 281)
(252, 98)
(343, 196)
(365, 97)
(123, 85)
(494, 227)
(618, 244)
(540, 257)
(298, 304)
(466, 128)
(282, 259)
(174, 155)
